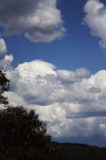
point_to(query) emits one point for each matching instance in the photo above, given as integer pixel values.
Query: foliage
(24, 137)
(4, 86)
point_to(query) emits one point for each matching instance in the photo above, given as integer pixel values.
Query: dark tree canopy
(24, 137)
(4, 86)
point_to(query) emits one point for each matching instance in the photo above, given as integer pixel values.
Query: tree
(24, 137)
(4, 86)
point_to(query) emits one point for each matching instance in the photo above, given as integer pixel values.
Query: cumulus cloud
(72, 103)
(95, 19)
(39, 20)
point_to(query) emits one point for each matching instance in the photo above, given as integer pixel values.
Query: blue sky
(56, 54)
(76, 49)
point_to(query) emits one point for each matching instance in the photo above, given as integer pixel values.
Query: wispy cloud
(39, 20)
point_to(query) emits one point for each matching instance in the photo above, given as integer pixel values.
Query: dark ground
(70, 151)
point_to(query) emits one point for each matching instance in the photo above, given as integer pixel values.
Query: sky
(55, 55)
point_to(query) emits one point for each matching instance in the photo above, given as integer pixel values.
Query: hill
(71, 151)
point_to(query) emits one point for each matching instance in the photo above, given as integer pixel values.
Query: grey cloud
(39, 20)
(87, 114)
(73, 76)
(94, 90)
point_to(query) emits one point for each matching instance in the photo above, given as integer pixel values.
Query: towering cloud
(39, 20)
(72, 103)
(95, 19)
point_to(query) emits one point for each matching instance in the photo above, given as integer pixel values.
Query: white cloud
(3, 48)
(9, 58)
(70, 76)
(5, 59)
(36, 68)
(95, 19)
(39, 20)
(73, 103)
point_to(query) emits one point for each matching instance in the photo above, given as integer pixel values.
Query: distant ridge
(75, 151)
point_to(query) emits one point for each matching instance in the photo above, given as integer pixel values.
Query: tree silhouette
(4, 86)
(24, 137)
